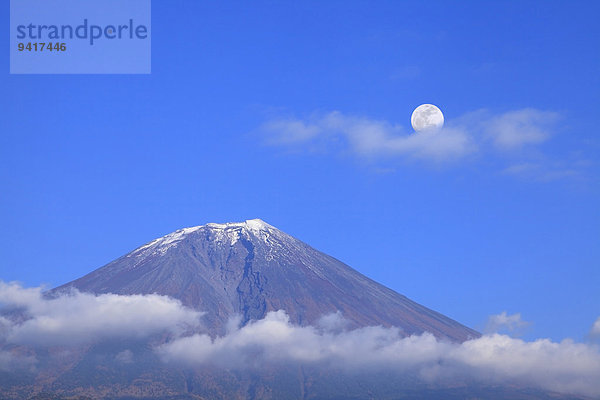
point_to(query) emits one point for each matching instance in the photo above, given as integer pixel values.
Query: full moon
(427, 117)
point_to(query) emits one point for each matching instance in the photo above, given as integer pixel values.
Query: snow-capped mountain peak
(229, 230)
(250, 224)
(250, 268)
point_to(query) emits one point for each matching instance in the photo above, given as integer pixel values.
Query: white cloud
(504, 322)
(477, 132)
(13, 361)
(545, 171)
(406, 72)
(565, 367)
(596, 328)
(291, 131)
(125, 357)
(368, 138)
(76, 317)
(334, 322)
(515, 129)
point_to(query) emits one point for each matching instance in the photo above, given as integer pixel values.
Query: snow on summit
(227, 231)
(250, 224)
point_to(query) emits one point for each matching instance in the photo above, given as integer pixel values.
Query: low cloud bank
(75, 318)
(567, 366)
(31, 319)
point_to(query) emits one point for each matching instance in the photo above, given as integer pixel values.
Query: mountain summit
(250, 268)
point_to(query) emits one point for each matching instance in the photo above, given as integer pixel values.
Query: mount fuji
(284, 298)
(251, 268)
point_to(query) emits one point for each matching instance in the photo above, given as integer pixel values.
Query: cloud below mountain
(74, 318)
(492, 359)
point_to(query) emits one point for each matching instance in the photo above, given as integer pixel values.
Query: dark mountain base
(97, 375)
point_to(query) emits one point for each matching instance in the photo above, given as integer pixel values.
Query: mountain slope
(251, 268)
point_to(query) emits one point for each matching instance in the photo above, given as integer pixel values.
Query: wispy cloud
(11, 362)
(544, 171)
(515, 129)
(596, 328)
(368, 138)
(125, 357)
(503, 322)
(407, 72)
(512, 138)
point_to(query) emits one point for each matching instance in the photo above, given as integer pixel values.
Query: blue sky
(235, 122)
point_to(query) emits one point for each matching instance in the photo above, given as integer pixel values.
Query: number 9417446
(42, 46)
